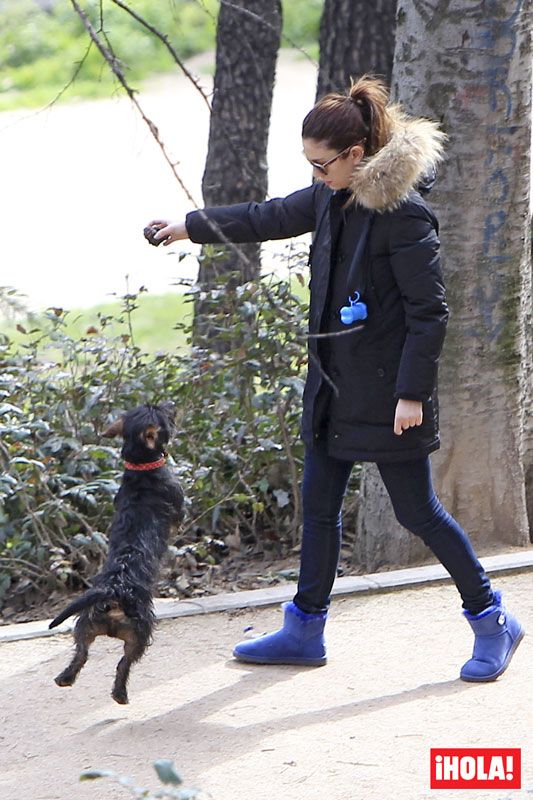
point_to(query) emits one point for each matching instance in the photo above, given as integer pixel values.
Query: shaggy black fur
(147, 506)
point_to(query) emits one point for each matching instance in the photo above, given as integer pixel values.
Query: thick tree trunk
(468, 64)
(355, 37)
(248, 37)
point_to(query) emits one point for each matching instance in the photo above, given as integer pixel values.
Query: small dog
(148, 505)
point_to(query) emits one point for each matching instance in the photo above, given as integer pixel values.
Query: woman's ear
(115, 429)
(357, 152)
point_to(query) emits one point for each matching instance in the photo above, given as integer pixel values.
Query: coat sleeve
(279, 218)
(415, 260)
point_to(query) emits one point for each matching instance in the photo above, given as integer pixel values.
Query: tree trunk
(248, 37)
(468, 64)
(355, 37)
(358, 37)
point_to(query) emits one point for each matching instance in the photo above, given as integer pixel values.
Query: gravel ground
(359, 728)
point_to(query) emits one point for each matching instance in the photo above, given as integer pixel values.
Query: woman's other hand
(408, 414)
(169, 231)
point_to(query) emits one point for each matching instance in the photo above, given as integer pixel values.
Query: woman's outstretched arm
(279, 218)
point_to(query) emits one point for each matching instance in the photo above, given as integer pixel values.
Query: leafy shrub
(237, 449)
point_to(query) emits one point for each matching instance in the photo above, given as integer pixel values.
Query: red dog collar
(145, 467)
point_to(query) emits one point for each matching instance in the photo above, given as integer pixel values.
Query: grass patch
(152, 322)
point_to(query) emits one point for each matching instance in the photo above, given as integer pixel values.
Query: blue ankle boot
(498, 634)
(300, 641)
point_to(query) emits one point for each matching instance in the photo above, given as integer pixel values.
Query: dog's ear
(115, 429)
(169, 408)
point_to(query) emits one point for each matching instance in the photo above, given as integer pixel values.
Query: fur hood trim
(382, 182)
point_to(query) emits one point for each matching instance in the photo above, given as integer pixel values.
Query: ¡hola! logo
(475, 768)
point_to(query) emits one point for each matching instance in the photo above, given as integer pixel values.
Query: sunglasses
(323, 168)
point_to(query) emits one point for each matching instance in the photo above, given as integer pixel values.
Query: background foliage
(63, 377)
(40, 51)
(237, 450)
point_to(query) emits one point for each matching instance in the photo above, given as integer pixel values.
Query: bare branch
(114, 64)
(249, 13)
(164, 38)
(323, 374)
(281, 412)
(49, 105)
(335, 333)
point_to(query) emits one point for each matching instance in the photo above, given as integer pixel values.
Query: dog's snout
(150, 436)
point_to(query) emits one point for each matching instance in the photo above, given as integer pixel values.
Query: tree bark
(468, 64)
(248, 37)
(355, 37)
(358, 37)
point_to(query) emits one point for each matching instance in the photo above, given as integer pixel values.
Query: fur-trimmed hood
(382, 181)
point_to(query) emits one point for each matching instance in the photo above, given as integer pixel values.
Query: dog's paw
(65, 679)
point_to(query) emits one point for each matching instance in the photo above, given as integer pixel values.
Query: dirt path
(359, 728)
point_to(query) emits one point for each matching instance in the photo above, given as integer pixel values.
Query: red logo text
(476, 768)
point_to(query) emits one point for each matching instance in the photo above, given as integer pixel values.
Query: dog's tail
(88, 599)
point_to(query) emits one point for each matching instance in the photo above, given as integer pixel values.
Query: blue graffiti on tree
(499, 38)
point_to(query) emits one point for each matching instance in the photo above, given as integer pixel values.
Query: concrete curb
(376, 582)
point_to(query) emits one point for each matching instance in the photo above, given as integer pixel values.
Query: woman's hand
(408, 414)
(169, 231)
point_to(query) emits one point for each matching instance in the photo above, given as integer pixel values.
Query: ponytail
(371, 96)
(359, 116)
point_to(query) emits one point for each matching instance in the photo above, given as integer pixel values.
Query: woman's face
(339, 171)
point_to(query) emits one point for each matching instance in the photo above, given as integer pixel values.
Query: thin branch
(219, 502)
(164, 38)
(129, 311)
(67, 86)
(334, 333)
(323, 373)
(292, 466)
(113, 62)
(261, 20)
(26, 564)
(117, 71)
(40, 529)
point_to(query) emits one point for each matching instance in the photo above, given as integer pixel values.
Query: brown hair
(345, 119)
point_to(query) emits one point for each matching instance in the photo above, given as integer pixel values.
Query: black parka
(354, 381)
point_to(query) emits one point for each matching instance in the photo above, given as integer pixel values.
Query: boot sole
(506, 663)
(301, 662)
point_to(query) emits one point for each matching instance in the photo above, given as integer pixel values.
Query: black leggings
(417, 508)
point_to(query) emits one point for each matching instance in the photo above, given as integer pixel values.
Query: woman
(371, 390)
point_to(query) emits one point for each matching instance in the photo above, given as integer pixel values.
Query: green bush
(237, 448)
